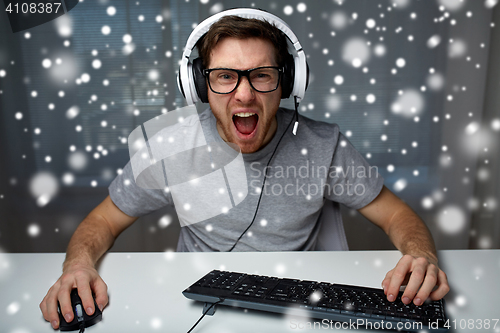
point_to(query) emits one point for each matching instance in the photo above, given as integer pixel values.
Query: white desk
(145, 288)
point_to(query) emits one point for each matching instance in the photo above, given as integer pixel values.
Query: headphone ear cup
(200, 81)
(288, 77)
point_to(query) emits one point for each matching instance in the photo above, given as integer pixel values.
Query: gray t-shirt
(308, 169)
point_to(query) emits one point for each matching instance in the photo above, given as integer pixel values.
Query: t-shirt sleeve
(134, 200)
(351, 180)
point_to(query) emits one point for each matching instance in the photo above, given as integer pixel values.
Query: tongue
(245, 125)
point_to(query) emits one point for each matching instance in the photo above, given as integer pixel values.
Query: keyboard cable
(203, 315)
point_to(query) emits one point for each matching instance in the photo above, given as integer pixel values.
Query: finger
(67, 283)
(52, 315)
(43, 306)
(418, 273)
(63, 296)
(85, 294)
(398, 276)
(427, 286)
(101, 293)
(443, 287)
(387, 281)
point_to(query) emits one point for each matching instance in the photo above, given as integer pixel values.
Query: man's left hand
(423, 279)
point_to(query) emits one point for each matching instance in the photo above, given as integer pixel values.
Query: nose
(244, 92)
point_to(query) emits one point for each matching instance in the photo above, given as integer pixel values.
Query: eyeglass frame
(246, 73)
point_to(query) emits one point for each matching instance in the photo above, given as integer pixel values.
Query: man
(244, 110)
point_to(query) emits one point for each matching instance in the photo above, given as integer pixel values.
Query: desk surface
(145, 288)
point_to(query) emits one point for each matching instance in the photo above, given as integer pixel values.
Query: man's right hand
(93, 237)
(83, 277)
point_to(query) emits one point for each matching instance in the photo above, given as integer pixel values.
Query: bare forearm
(90, 241)
(411, 236)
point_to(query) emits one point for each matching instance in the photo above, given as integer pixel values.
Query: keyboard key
(320, 308)
(363, 314)
(378, 316)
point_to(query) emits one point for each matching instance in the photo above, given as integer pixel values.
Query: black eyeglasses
(226, 80)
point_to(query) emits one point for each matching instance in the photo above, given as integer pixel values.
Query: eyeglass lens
(261, 79)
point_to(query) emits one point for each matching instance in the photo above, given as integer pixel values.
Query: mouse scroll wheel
(79, 312)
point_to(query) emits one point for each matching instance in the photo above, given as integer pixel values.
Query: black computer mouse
(80, 316)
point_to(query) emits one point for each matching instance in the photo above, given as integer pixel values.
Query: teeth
(244, 114)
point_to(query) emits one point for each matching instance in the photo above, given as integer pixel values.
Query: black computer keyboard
(356, 307)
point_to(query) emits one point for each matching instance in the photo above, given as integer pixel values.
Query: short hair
(241, 28)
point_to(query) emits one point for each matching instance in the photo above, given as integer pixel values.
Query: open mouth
(245, 122)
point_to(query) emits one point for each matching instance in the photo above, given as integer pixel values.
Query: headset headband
(185, 78)
(247, 13)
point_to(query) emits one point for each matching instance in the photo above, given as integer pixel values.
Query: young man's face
(254, 132)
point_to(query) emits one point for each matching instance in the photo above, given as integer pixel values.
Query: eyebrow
(228, 67)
